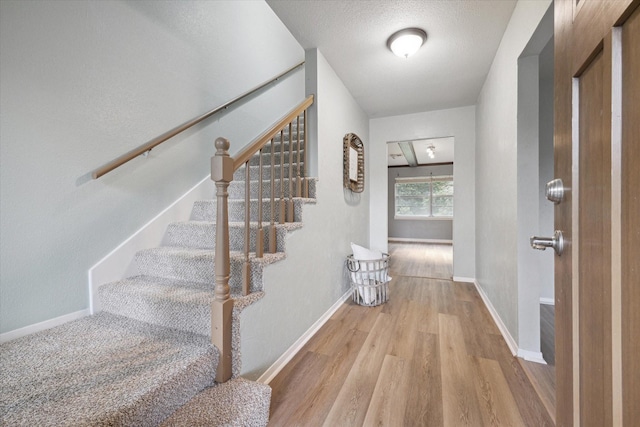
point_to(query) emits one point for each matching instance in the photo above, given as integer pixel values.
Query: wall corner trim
(511, 343)
(280, 363)
(37, 327)
(412, 240)
(531, 356)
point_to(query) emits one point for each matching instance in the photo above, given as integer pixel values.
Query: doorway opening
(535, 169)
(420, 190)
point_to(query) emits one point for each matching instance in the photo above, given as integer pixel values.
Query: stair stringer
(242, 302)
(297, 292)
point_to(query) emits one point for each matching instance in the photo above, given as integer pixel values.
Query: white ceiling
(447, 72)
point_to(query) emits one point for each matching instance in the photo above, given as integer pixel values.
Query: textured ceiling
(447, 72)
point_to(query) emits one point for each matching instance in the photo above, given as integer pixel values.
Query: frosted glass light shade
(431, 151)
(405, 43)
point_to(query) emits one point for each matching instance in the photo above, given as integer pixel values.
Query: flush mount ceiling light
(431, 151)
(405, 43)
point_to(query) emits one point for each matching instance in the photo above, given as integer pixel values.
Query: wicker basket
(369, 280)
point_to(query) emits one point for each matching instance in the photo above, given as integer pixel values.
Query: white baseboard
(411, 240)
(511, 343)
(277, 366)
(531, 356)
(547, 301)
(464, 279)
(37, 327)
(117, 264)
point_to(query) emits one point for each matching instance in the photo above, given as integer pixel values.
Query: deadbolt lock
(554, 191)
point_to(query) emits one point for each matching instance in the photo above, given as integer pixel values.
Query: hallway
(431, 356)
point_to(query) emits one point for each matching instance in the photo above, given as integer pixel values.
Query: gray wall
(84, 82)
(545, 158)
(432, 229)
(299, 290)
(496, 168)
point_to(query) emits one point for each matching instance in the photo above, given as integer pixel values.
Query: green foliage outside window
(424, 197)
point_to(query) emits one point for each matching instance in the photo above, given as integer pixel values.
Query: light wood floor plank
(528, 401)
(332, 336)
(460, 403)
(463, 291)
(326, 385)
(359, 317)
(446, 299)
(290, 390)
(497, 406)
(459, 370)
(404, 332)
(543, 380)
(428, 299)
(352, 402)
(419, 260)
(424, 401)
(471, 322)
(385, 408)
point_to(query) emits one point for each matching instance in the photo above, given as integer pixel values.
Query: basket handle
(353, 261)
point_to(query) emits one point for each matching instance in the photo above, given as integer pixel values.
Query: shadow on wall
(351, 198)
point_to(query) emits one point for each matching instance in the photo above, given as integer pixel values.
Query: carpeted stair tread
(277, 156)
(205, 210)
(294, 136)
(102, 370)
(237, 188)
(197, 265)
(238, 402)
(202, 234)
(254, 171)
(164, 302)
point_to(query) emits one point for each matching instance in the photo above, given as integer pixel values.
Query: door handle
(556, 242)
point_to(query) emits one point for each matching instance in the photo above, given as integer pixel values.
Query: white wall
(312, 278)
(84, 82)
(458, 123)
(496, 167)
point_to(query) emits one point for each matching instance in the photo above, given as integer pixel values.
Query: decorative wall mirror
(353, 155)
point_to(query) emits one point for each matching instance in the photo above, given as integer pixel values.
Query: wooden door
(597, 155)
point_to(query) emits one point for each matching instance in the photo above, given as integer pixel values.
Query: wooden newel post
(222, 305)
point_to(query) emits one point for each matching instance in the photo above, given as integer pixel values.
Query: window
(424, 197)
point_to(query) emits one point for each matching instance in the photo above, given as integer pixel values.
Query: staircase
(147, 358)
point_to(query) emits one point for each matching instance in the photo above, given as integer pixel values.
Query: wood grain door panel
(597, 155)
(594, 247)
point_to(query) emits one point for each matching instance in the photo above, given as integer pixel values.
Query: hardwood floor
(421, 260)
(430, 356)
(547, 333)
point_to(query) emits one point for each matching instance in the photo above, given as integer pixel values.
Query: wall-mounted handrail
(130, 155)
(247, 152)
